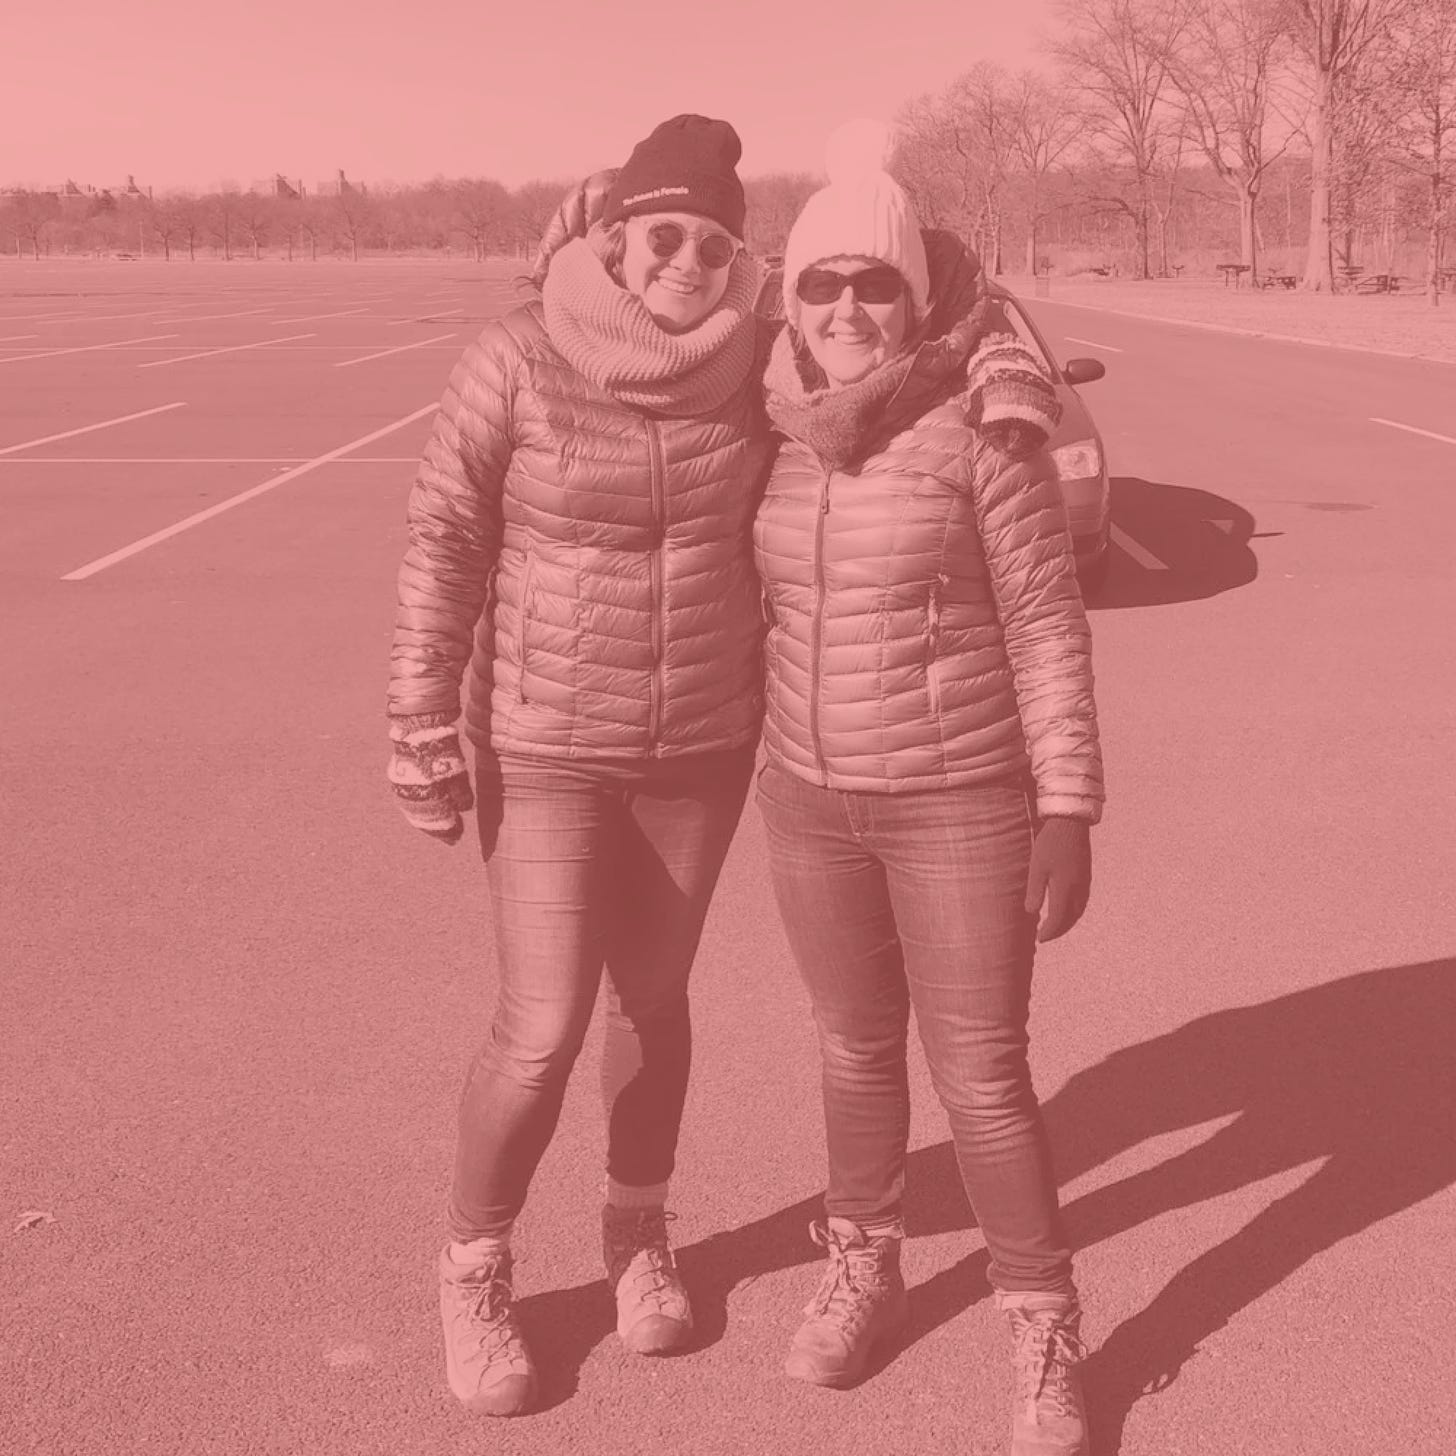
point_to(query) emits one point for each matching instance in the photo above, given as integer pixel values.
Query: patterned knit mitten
(429, 776)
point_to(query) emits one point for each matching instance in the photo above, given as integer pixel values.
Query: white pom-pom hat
(863, 212)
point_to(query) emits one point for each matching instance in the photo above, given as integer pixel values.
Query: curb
(1246, 333)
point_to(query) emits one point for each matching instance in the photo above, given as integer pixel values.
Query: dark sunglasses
(869, 285)
(715, 250)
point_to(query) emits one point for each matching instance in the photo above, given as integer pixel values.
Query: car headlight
(1081, 460)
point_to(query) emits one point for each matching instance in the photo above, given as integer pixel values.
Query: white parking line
(1140, 554)
(231, 349)
(86, 429)
(197, 318)
(1413, 430)
(424, 318)
(10, 338)
(83, 348)
(403, 348)
(102, 562)
(308, 318)
(1093, 344)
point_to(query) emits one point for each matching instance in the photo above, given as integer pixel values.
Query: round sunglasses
(869, 285)
(667, 240)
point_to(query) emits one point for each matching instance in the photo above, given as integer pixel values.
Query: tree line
(1155, 108)
(1166, 133)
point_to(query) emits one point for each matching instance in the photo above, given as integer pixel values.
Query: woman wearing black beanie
(579, 537)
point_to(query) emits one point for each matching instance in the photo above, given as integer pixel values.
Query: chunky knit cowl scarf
(949, 353)
(606, 334)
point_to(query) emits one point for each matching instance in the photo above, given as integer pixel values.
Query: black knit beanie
(686, 165)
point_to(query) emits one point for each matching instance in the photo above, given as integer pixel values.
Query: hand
(429, 776)
(1061, 875)
(579, 209)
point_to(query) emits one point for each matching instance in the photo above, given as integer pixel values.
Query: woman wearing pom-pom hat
(933, 768)
(580, 538)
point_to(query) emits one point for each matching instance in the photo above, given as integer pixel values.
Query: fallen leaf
(33, 1218)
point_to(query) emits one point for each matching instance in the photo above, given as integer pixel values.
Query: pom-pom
(858, 149)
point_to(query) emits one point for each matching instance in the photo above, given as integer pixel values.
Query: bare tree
(255, 215)
(30, 216)
(482, 211)
(1224, 71)
(1116, 54)
(222, 213)
(774, 201)
(350, 215)
(533, 204)
(1423, 143)
(1335, 37)
(1044, 129)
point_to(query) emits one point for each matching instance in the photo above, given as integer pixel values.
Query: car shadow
(1173, 543)
(1355, 1076)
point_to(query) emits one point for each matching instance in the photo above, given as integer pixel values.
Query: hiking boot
(488, 1365)
(1050, 1416)
(860, 1303)
(653, 1313)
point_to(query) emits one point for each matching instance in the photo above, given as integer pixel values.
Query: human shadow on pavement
(1173, 544)
(1356, 1074)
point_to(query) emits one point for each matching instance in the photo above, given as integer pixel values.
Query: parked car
(1076, 444)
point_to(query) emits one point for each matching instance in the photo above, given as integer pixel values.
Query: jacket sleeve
(1023, 526)
(454, 530)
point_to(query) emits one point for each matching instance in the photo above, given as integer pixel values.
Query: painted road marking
(102, 562)
(1093, 344)
(83, 348)
(86, 429)
(1140, 554)
(197, 318)
(383, 353)
(231, 349)
(196, 459)
(1413, 429)
(426, 318)
(10, 338)
(308, 318)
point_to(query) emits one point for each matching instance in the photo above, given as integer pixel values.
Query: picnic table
(1234, 271)
(1378, 283)
(1278, 280)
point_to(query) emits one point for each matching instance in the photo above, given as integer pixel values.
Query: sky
(196, 94)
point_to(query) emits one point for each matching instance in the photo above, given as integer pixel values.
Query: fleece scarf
(606, 334)
(999, 379)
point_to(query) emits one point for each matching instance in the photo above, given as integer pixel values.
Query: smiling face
(681, 290)
(849, 337)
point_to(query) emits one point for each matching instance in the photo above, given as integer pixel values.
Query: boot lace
(1047, 1348)
(491, 1314)
(639, 1247)
(846, 1294)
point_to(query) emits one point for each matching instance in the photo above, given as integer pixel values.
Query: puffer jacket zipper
(816, 631)
(932, 644)
(522, 613)
(656, 482)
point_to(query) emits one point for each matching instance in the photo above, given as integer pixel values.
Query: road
(240, 994)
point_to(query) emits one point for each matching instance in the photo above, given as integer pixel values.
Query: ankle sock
(882, 1227)
(626, 1196)
(477, 1251)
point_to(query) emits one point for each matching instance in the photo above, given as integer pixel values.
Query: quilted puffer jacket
(592, 563)
(926, 627)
